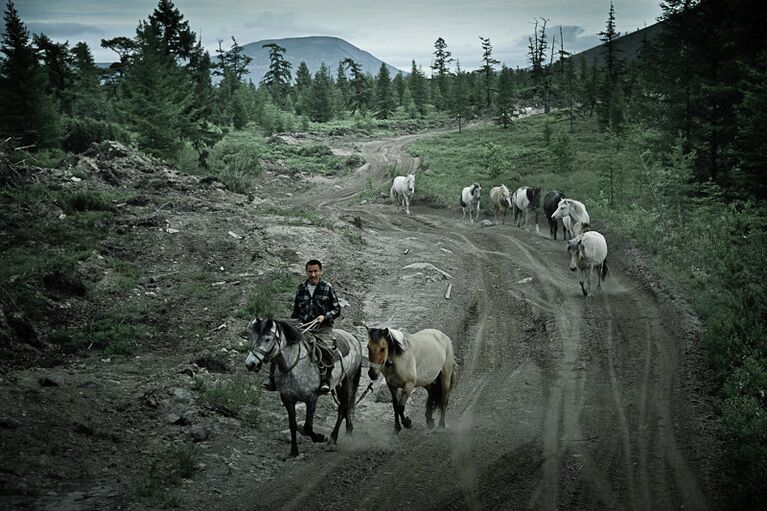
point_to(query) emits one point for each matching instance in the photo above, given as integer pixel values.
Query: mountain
(313, 50)
(627, 45)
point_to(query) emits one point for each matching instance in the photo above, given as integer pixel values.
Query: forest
(683, 170)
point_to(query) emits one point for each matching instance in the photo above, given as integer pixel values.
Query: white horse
(470, 199)
(524, 199)
(587, 252)
(402, 190)
(423, 359)
(501, 199)
(576, 212)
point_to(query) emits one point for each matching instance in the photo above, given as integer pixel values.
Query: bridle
(265, 356)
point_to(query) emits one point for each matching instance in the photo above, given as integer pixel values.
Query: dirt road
(560, 403)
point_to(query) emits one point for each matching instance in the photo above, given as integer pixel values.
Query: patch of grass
(83, 200)
(372, 191)
(179, 462)
(28, 193)
(192, 284)
(113, 336)
(298, 216)
(235, 396)
(353, 235)
(272, 295)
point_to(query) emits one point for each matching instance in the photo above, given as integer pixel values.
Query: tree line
(701, 81)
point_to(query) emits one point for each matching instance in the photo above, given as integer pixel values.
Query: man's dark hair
(312, 262)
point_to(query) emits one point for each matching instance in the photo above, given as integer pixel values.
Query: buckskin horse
(423, 359)
(297, 375)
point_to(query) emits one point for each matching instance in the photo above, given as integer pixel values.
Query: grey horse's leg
(311, 407)
(343, 405)
(291, 408)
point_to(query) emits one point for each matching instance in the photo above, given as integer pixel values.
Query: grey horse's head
(263, 335)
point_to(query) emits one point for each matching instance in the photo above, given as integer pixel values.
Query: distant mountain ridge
(313, 50)
(627, 45)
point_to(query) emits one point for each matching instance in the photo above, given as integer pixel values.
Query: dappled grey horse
(297, 375)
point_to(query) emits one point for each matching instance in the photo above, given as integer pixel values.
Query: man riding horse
(316, 303)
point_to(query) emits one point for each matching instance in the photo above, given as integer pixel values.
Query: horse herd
(587, 248)
(423, 359)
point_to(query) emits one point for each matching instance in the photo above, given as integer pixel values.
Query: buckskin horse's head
(378, 351)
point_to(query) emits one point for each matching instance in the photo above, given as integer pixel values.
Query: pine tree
(342, 86)
(87, 96)
(320, 99)
(277, 79)
(176, 38)
(537, 54)
(26, 108)
(384, 101)
(57, 65)
(441, 67)
(488, 72)
(610, 105)
(358, 96)
(459, 103)
(399, 86)
(155, 96)
(303, 77)
(418, 88)
(506, 97)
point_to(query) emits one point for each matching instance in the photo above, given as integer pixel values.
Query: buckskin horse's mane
(397, 340)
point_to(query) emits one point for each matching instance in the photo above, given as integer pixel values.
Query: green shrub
(83, 200)
(82, 132)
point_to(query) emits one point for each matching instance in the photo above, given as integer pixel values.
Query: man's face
(313, 272)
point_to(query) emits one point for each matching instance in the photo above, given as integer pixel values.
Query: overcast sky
(395, 31)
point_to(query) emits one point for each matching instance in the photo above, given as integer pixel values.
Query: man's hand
(320, 319)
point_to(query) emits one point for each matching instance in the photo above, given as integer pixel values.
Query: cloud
(65, 30)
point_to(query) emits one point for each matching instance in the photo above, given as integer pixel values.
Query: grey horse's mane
(291, 330)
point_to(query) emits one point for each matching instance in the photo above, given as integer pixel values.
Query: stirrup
(324, 387)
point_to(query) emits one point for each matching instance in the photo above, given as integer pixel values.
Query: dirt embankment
(560, 402)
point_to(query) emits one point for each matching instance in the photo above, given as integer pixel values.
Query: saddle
(338, 348)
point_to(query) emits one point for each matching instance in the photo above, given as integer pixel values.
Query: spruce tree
(418, 88)
(488, 72)
(441, 67)
(86, 94)
(506, 103)
(320, 99)
(384, 101)
(176, 38)
(277, 79)
(358, 96)
(610, 105)
(155, 96)
(26, 109)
